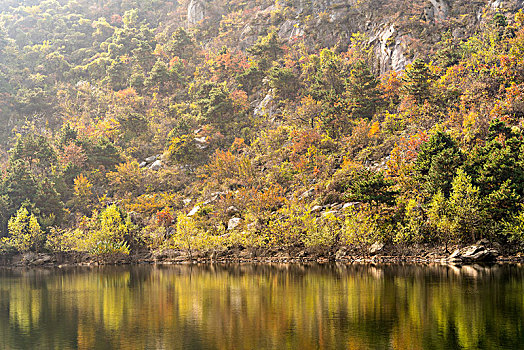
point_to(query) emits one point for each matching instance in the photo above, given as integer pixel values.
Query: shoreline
(296, 255)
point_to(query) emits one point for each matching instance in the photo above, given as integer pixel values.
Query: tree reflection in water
(263, 307)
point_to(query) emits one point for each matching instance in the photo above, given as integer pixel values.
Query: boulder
(341, 253)
(194, 211)
(307, 194)
(43, 260)
(232, 210)
(316, 209)
(483, 241)
(150, 159)
(201, 142)
(157, 165)
(474, 253)
(376, 248)
(350, 205)
(454, 255)
(233, 223)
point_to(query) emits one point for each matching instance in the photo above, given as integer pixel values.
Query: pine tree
(363, 90)
(268, 48)
(449, 51)
(417, 81)
(437, 163)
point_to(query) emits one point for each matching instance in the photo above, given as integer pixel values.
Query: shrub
(25, 233)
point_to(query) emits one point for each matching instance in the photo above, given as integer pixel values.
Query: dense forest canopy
(155, 124)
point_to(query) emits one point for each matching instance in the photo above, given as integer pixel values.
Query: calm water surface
(263, 307)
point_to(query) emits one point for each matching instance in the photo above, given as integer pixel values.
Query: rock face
(389, 49)
(439, 10)
(266, 107)
(196, 12)
(290, 30)
(474, 253)
(396, 30)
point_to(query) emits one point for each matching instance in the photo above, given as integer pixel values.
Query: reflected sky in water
(264, 307)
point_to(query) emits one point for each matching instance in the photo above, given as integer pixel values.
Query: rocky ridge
(397, 31)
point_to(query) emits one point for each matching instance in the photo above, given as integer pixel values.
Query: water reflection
(263, 307)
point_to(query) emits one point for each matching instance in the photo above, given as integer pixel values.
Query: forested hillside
(132, 125)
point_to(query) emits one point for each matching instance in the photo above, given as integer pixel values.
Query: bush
(362, 228)
(25, 233)
(188, 235)
(513, 229)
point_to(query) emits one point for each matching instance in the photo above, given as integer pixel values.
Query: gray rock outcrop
(196, 12)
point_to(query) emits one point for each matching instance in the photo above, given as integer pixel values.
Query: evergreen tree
(268, 49)
(497, 168)
(417, 81)
(363, 91)
(284, 82)
(437, 163)
(216, 106)
(36, 151)
(449, 51)
(19, 185)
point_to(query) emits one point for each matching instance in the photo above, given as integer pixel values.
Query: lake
(263, 307)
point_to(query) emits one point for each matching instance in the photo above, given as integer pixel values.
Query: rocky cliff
(397, 30)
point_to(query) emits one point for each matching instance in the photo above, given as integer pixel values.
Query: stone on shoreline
(376, 248)
(474, 253)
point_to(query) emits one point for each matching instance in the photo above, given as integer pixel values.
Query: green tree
(159, 76)
(458, 218)
(268, 49)
(440, 217)
(284, 82)
(417, 81)
(437, 163)
(357, 183)
(18, 185)
(363, 91)
(36, 151)
(217, 107)
(4, 214)
(188, 236)
(110, 233)
(449, 51)
(181, 44)
(497, 169)
(464, 203)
